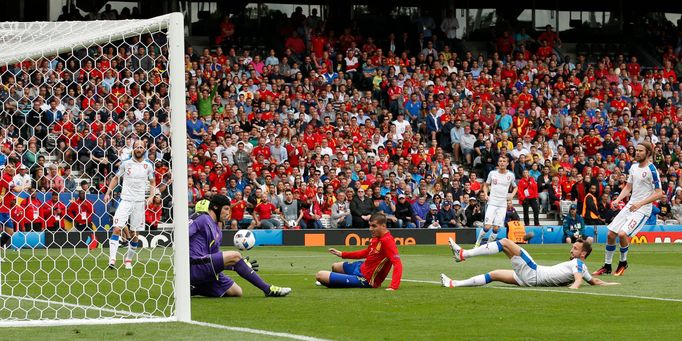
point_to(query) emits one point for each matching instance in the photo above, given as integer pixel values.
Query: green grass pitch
(419, 310)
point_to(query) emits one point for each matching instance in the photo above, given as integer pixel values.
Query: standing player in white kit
(498, 183)
(135, 173)
(645, 185)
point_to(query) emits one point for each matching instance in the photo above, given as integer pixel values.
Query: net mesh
(75, 97)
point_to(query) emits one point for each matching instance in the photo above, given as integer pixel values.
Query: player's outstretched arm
(335, 252)
(597, 281)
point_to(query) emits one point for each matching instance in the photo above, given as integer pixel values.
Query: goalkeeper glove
(253, 264)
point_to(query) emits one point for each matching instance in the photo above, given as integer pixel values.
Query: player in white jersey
(498, 183)
(135, 173)
(525, 271)
(645, 185)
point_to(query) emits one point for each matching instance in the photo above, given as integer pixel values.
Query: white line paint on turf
(564, 292)
(81, 306)
(257, 331)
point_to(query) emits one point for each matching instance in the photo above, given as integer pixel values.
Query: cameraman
(574, 226)
(474, 213)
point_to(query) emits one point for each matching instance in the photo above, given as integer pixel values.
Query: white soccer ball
(244, 240)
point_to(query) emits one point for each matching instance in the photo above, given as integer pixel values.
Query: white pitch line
(565, 292)
(256, 331)
(72, 305)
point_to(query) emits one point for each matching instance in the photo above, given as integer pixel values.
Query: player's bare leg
(234, 291)
(322, 277)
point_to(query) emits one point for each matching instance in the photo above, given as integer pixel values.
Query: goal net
(75, 97)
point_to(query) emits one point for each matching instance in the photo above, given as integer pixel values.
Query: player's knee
(116, 230)
(322, 276)
(337, 267)
(622, 235)
(231, 257)
(234, 291)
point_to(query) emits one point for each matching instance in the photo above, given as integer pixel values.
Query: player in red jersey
(381, 254)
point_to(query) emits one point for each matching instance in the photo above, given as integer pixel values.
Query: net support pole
(176, 48)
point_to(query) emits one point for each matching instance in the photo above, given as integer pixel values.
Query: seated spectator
(341, 216)
(446, 216)
(80, 212)
(574, 226)
(361, 208)
(263, 214)
(387, 206)
(431, 219)
(53, 212)
(33, 220)
(404, 213)
(311, 215)
(474, 213)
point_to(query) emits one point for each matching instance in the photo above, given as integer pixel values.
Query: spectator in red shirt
(54, 212)
(80, 211)
(237, 213)
(592, 143)
(33, 220)
(152, 214)
(263, 214)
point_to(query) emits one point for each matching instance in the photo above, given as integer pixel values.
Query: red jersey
(380, 252)
(264, 210)
(6, 195)
(80, 211)
(237, 210)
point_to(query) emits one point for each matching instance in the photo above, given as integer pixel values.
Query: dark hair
(379, 218)
(217, 203)
(587, 246)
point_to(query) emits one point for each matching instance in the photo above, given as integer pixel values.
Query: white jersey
(499, 187)
(645, 182)
(562, 274)
(23, 181)
(135, 176)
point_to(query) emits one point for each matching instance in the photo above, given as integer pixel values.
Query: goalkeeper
(207, 261)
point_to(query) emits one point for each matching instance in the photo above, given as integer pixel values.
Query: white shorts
(627, 221)
(525, 269)
(494, 215)
(130, 209)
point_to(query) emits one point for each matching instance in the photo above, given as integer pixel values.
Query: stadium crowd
(332, 129)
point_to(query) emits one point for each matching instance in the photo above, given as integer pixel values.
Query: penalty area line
(256, 331)
(565, 292)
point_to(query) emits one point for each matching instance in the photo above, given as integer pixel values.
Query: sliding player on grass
(381, 254)
(525, 271)
(645, 185)
(207, 262)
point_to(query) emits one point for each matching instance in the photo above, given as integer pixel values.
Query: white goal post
(62, 277)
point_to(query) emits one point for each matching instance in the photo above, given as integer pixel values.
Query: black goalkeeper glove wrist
(253, 264)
